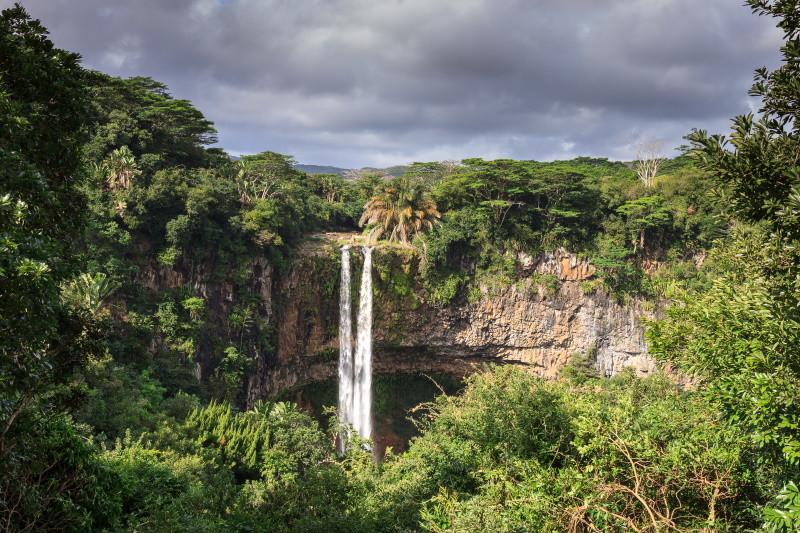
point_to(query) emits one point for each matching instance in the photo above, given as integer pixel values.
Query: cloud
(372, 82)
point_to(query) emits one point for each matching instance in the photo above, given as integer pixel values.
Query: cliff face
(540, 321)
(290, 329)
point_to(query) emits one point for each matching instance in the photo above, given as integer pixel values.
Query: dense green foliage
(49, 476)
(741, 337)
(511, 453)
(619, 455)
(140, 114)
(494, 211)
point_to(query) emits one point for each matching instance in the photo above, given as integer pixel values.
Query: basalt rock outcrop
(550, 313)
(290, 326)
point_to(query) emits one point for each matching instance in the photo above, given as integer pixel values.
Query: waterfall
(362, 363)
(345, 344)
(355, 367)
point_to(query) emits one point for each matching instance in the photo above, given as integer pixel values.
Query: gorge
(552, 312)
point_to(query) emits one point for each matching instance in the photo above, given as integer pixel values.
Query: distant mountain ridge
(395, 171)
(320, 169)
(325, 169)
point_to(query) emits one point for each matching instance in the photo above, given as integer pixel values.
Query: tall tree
(46, 467)
(264, 175)
(328, 186)
(42, 110)
(430, 174)
(141, 114)
(495, 186)
(643, 214)
(743, 337)
(649, 158)
(403, 210)
(119, 168)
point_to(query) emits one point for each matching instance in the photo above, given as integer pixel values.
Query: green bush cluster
(511, 453)
(515, 453)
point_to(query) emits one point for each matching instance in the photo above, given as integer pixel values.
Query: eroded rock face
(540, 322)
(521, 324)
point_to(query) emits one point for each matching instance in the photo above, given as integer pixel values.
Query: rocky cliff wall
(551, 313)
(290, 324)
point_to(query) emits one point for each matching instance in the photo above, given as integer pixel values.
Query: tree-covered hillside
(121, 405)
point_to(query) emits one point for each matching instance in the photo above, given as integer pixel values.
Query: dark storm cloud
(357, 82)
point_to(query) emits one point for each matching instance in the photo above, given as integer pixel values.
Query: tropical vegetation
(123, 397)
(403, 210)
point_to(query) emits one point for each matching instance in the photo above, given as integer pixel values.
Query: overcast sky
(353, 83)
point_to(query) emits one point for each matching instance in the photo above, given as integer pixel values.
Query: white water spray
(355, 367)
(345, 344)
(362, 364)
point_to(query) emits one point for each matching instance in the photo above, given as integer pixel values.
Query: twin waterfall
(355, 366)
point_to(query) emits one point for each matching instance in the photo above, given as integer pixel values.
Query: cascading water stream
(362, 361)
(355, 366)
(345, 344)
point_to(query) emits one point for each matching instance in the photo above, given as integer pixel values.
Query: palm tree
(89, 292)
(119, 168)
(403, 210)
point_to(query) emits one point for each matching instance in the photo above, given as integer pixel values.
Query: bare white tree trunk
(649, 157)
(356, 174)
